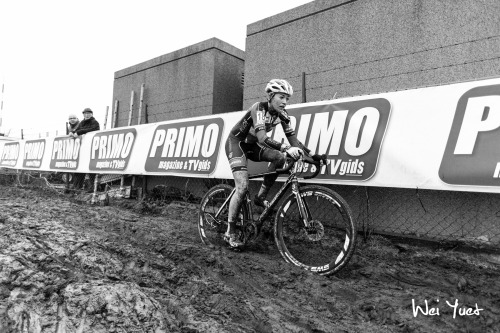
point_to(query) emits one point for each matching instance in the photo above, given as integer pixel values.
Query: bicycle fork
(305, 214)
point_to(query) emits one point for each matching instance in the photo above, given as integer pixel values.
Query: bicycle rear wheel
(328, 244)
(210, 225)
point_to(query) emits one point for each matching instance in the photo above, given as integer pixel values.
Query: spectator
(72, 123)
(88, 124)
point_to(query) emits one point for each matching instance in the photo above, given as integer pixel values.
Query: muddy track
(67, 266)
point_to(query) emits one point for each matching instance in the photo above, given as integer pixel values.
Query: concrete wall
(228, 87)
(350, 48)
(186, 83)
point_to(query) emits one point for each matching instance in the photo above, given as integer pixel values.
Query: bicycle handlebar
(317, 163)
(287, 168)
(318, 168)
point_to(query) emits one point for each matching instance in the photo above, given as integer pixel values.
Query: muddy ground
(68, 266)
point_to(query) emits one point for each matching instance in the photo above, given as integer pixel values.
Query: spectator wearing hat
(88, 124)
(72, 123)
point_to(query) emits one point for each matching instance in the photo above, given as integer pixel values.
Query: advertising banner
(350, 134)
(111, 150)
(33, 153)
(10, 154)
(472, 154)
(443, 138)
(65, 153)
(190, 147)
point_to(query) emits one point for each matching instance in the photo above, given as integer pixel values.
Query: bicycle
(313, 226)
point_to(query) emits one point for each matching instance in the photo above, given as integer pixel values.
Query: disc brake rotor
(315, 231)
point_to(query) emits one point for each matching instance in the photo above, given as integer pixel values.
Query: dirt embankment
(66, 266)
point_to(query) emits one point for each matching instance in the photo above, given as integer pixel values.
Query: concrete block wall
(358, 47)
(186, 83)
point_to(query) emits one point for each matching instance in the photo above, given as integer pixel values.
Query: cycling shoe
(232, 240)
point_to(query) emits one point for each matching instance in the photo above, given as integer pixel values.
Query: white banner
(442, 137)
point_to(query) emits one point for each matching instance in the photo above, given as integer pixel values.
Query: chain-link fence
(472, 218)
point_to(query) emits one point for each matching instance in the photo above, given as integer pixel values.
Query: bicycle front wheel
(327, 244)
(213, 215)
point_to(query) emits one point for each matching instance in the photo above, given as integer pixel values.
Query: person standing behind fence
(88, 124)
(72, 123)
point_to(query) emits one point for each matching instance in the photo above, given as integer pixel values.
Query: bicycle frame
(292, 181)
(319, 234)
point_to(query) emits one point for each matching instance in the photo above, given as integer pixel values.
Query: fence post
(106, 117)
(66, 181)
(141, 98)
(115, 115)
(304, 87)
(131, 108)
(122, 184)
(145, 177)
(97, 180)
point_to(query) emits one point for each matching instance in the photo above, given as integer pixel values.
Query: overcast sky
(58, 57)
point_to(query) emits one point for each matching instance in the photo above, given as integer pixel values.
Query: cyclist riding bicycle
(248, 140)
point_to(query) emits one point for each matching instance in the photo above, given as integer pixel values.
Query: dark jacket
(87, 125)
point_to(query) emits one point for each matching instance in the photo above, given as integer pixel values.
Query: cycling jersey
(259, 118)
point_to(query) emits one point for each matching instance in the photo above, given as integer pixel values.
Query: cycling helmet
(278, 86)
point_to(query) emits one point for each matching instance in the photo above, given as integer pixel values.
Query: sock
(231, 227)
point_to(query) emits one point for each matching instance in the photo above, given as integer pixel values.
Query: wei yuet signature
(427, 310)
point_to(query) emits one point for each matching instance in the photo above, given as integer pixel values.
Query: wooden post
(122, 185)
(106, 117)
(304, 87)
(22, 134)
(66, 181)
(140, 104)
(115, 115)
(131, 108)
(144, 185)
(97, 180)
(145, 177)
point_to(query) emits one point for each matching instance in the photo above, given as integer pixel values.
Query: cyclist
(248, 140)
